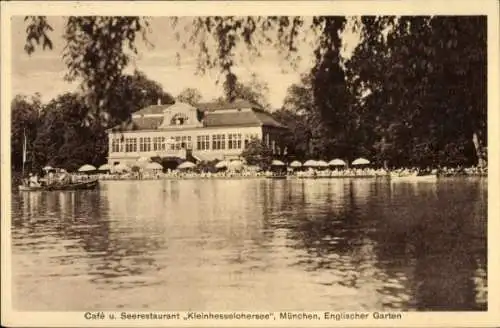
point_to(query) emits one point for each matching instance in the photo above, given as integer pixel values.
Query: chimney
(159, 101)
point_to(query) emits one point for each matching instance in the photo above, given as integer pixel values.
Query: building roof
(140, 123)
(236, 104)
(267, 119)
(151, 110)
(215, 116)
(244, 118)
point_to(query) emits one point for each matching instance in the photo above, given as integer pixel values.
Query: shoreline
(286, 178)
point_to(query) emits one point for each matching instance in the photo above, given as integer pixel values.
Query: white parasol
(87, 168)
(360, 161)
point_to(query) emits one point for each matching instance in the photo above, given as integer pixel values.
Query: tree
(423, 100)
(258, 153)
(132, 93)
(60, 133)
(26, 112)
(253, 91)
(62, 140)
(95, 53)
(296, 140)
(190, 96)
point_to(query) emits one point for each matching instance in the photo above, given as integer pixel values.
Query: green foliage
(413, 93)
(62, 140)
(218, 39)
(258, 153)
(132, 93)
(253, 91)
(36, 33)
(190, 96)
(426, 87)
(95, 53)
(60, 134)
(299, 133)
(26, 112)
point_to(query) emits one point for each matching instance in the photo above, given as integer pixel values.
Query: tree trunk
(480, 151)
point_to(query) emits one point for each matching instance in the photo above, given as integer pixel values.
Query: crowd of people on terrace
(298, 172)
(237, 169)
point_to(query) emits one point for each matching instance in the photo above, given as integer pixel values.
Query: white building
(208, 131)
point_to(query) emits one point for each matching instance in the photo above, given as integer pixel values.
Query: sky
(44, 71)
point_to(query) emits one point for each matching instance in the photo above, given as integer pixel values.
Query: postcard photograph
(178, 167)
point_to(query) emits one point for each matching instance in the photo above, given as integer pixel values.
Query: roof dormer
(180, 115)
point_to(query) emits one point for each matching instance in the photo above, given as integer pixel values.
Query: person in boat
(50, 178)
(63, 178)
(33, 180)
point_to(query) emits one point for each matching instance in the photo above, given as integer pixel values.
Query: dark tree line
(413, 93)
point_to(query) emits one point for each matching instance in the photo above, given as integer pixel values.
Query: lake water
(338, 244)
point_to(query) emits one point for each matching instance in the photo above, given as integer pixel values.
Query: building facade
(204, 132)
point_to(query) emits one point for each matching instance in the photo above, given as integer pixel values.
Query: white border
(302, 8)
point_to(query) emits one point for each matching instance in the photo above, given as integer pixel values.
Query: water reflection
(253, 245)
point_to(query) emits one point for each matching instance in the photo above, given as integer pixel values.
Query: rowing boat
(414, 178)
(86, 185)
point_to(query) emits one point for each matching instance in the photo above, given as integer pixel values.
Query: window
(134, 144)
(157, 143)
(130, 145)
(203, 142)
(179, 119)
(122, 144)
(147, 144)
(186, 142)
(177, 143)
(234, 141)
(170, 143)
(162, 143)
(218, 141)
(115, 145)
(141, 144)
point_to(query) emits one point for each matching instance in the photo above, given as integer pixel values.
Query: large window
(177, 143)
(134, 144)
(234, 141)
(218, 141)
(130, 145)
(147, 144)
(144, 144)
(141, 144)
(203, 142)
(182, 142)
(186, 142)
(162, 143)
(115, 145)
(158, 143)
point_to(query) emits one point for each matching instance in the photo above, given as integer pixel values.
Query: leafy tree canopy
(258, 153)
(190, 96)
